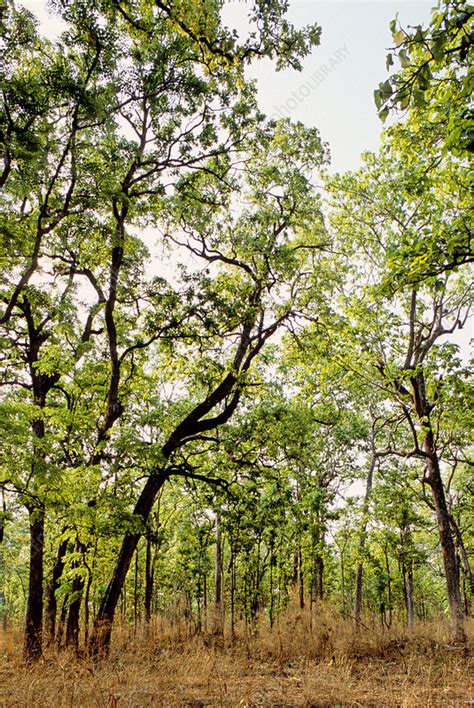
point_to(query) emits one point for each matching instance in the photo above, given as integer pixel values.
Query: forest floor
(295, 664)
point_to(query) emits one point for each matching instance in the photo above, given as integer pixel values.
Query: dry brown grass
(298, 663)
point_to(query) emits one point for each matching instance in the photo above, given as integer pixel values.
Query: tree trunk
(86, 607)
(218, 609)
(343, 589)
(34, 609)
(410, 600)
(389, 586)
(466, 566)
(72, 625)
(61, 624)
(101, 632)
(358, 595)
(51, 603)
(135, 591)
(433, 477)
(301, 578)
(363, 536)
(148, 581)
(451, 569)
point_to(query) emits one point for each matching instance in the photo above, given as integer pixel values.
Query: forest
(236, 394)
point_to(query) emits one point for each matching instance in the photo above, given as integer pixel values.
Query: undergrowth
(306, 659)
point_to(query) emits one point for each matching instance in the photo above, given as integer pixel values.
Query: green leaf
(404, 58)
(437, 48)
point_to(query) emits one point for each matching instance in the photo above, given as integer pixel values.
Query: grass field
(295, 664)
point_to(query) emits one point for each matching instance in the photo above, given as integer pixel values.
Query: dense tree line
(203, 361)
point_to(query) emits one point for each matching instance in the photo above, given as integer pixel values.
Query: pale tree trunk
(218, 609)
(363, 539)
(410, 598)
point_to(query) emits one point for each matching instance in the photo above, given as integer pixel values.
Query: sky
(334, 91)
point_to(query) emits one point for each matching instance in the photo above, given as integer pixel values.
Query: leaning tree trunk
(99, 642)
(448, 549)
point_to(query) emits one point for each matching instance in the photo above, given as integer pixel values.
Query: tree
(434, 81)
(123, 134)
(401, 335)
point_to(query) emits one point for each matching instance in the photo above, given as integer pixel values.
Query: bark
(343, 589)
(149, 573)
(410, 599)
(86, 608)
(3, 516)
(218, 568)
(135, 591)
(301, 578)
(101, 632)
(389, 586)
(72, 626)
(195, 423)
(51, 602)
(218, 610)
(363, 540)
(34, 609)
(451, 569)
(466, 566)
(61, 623)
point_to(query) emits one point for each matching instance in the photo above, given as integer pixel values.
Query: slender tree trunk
(3, 515)
(3, 605)
(466, 566)
(363, 537)
(34, 609)
(319, 567)
(51, 603)
(135, 592)
(410, 599)
(72, 625)
(148, 580)
(61, 623)
(86, 608)
(301, 578)
(232, 593)
(343, 589)
(218, 609)
(389, 587)
(74, 614)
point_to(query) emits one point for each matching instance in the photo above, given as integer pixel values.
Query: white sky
(337, 100)
(341, 103)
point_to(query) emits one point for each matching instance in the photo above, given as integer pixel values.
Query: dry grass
(299, 663)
